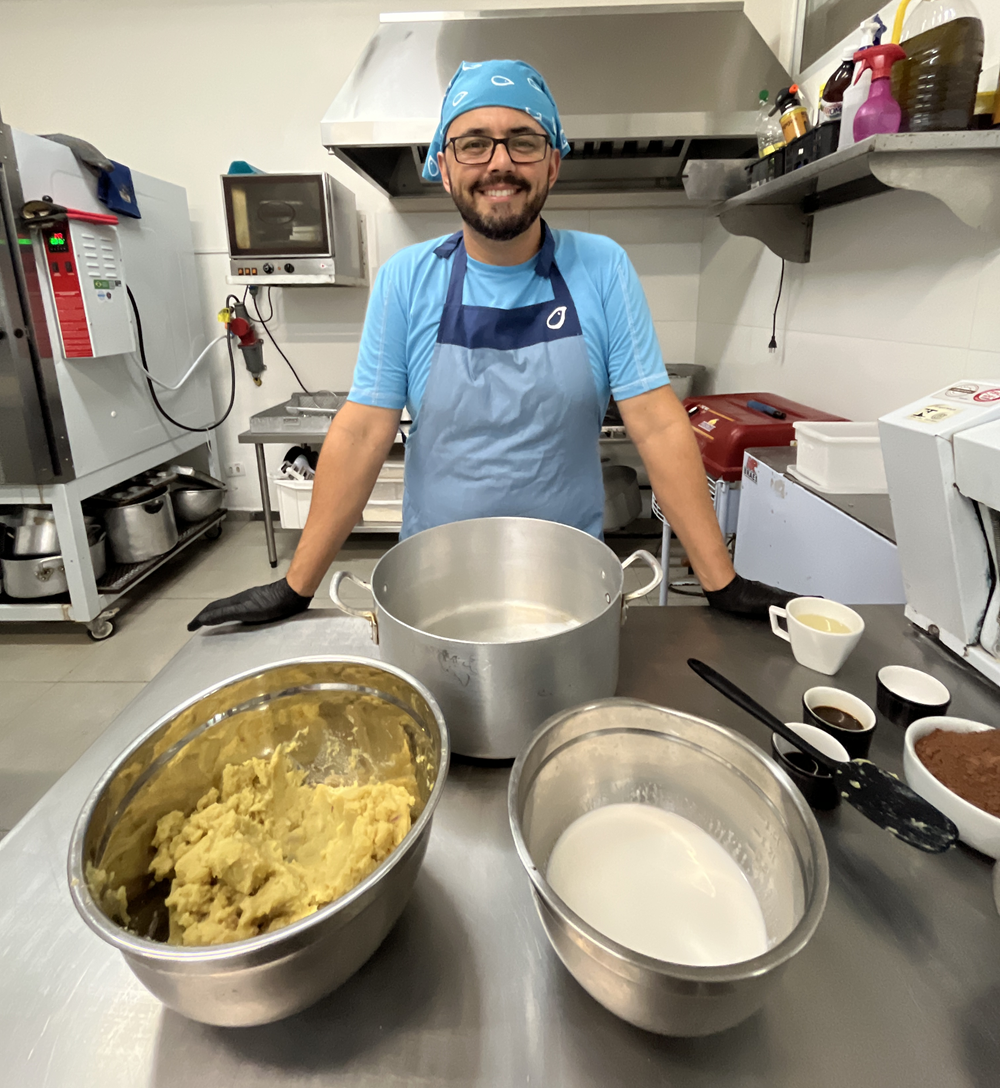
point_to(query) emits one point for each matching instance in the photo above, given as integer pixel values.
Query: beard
(500, 224)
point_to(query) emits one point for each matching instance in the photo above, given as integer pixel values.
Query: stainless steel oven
(292, 228)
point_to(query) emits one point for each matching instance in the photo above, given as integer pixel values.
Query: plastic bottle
(831, 103)
(769, 135)
(936, 85)
(794, 117)
(857, 93)
(880, 112)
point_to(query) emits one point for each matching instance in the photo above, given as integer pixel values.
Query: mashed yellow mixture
(267, 849)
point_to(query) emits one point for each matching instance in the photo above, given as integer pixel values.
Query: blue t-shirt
(404, 311)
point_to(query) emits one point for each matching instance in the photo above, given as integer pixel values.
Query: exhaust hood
(640, 89)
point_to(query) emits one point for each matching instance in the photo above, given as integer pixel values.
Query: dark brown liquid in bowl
(836, 717)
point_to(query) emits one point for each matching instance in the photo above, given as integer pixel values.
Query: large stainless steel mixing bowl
(180, 757)
(622, 750)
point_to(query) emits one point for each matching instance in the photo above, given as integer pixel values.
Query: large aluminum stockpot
(45, 575)
(623, 750)
(141, 530)
(179, 758)
(506, 620)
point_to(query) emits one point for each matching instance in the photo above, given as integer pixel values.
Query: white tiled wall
(900, 297)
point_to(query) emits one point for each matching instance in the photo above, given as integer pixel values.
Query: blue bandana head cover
(510, 83)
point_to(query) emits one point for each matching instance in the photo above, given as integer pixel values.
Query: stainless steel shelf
(961, 169)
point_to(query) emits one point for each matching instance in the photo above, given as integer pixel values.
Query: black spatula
(875, 793)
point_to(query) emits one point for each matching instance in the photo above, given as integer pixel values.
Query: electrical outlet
(236, 469)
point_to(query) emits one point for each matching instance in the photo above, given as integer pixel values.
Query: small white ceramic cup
(824, 651)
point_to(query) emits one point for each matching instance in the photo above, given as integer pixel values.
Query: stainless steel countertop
(874, 511)
(899, 986)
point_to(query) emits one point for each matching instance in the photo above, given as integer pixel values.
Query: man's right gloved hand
(262, 604)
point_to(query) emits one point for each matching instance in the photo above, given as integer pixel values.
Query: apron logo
(557, 318)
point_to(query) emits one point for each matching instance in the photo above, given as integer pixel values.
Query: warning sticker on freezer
(971, 392)
(934, 413)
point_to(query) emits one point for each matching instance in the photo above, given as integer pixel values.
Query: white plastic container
(385, 507)
(294, 498)
(840, 458)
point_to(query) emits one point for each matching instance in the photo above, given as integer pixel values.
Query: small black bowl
(815, 783)
(857, 742)
(906, 694)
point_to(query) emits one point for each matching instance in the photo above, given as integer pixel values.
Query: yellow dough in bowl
(267, 849)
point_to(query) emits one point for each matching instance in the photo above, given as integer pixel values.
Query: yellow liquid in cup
(824, 623)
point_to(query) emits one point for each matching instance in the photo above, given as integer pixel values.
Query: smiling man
(505, 342)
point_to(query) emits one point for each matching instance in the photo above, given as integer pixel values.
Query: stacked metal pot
(31, 557)
(141, 517)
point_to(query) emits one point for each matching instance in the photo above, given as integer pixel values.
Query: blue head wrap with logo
(510, 83)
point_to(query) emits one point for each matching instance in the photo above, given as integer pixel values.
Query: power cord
(773, 346)
(149, 380)
(271, 337)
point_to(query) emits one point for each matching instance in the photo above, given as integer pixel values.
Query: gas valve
(238, 324)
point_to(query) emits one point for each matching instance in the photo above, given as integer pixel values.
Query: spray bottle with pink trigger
(881, 112)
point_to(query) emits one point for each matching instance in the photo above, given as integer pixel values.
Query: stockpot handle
(361, 613)
(45, 568)
(653, 565)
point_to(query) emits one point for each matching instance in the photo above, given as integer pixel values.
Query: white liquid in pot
(504, 622)
(658, 884)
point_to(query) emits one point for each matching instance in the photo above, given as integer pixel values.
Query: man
(505, 341)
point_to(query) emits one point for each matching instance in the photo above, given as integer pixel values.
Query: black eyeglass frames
(476, 150)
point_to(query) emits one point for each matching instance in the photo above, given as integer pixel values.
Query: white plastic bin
(385, 507)
(294, 498)
(842, 458)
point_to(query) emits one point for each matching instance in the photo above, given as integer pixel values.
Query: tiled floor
(59, 690)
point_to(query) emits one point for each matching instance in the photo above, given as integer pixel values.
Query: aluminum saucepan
(506, 620)
(623, 750)
(179, 758)
(32, 531)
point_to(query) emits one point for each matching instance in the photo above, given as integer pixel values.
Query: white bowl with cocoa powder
(976, 827)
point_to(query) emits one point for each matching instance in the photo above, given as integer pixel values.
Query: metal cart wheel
(100, 629)
(214, 533)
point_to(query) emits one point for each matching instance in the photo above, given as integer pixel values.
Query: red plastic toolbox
(724, 427)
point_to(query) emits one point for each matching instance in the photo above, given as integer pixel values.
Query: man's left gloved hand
(744, 597)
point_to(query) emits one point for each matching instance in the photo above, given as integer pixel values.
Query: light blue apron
(510, 419)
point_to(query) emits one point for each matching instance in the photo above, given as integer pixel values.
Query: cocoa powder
(967, 763)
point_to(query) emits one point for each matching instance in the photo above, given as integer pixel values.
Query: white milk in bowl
(658, 884)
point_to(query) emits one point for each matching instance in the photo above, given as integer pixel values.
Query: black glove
(747, 598)
(262, 604)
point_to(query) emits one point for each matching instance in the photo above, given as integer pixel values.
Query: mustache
(506, 180)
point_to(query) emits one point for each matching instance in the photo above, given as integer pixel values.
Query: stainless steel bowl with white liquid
(506, 620)
(620, 751)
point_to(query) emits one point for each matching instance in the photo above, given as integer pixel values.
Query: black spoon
(875, 793)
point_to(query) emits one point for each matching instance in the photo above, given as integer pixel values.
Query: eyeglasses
(478, 150)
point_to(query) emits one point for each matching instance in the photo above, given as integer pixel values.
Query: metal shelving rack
(88, 602)
(961, 169)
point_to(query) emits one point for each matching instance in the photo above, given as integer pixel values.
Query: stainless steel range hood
(640, 89)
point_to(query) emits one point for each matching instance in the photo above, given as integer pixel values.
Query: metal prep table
(260, 439)
(899, 986)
